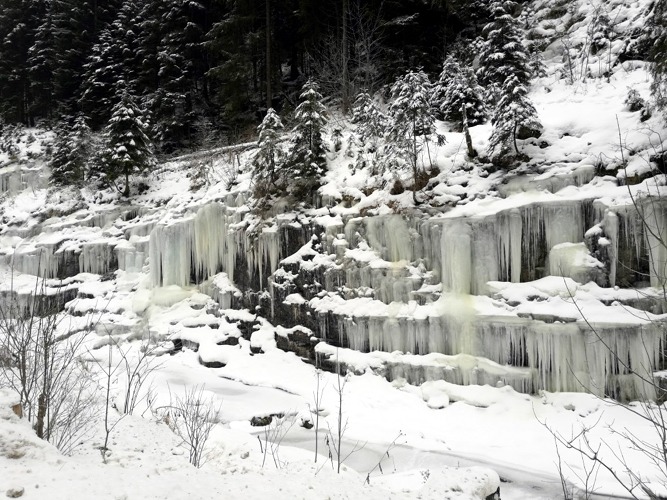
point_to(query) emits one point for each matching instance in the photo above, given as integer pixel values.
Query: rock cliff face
(537, 292)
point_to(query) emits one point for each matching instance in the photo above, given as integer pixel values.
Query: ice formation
(432, 288)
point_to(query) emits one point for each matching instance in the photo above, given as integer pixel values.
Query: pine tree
(128, 149)
(512, 111)
(72, 152)
(502, 54)
(265, 162)
(412, 117)
(307, 156)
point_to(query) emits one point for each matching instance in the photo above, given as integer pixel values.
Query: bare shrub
(192, 418)
(42, 362)
(274, 434)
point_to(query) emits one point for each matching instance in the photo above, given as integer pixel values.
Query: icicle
(171, 248)
(456, 257)
(97, 258)
(654, 218)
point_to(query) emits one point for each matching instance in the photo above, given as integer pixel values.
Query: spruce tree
(266, 161)
(412, 120)
(371, 125)
(114, 58)
(72, 153)
(450, 68)
(19, 21)
(512, 111)
(502, 54)
(41, 61)
(128, 150)
(457, 88)
(307, 156)
(658, 53)
(171, 69)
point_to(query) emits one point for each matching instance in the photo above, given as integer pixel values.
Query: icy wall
(413, 284)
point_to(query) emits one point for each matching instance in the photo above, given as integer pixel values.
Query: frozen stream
(241, 401)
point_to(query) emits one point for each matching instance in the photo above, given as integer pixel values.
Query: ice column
(456, 244)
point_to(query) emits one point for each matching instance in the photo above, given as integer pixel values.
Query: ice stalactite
(170, 253)
(610, 224)
(546, 225)
(213, 248)
(653, 214)
(97, 257)
(456, 260)
(39, 260)
(509, 245)
(476, 250)
(131, 254)
(208, 242)
(390, 235)
(263, 249)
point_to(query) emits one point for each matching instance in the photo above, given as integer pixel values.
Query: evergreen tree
(77, 25)
(502, 54)
(41, 60)
(514, 110)
(71, 153)
(236, 48)
(450, 68)
(128, 149)
(307, 157)
(114, 58)
(171, 68)
(265, 162)
(457, 88)
(371, 125)
(19, 20)
(370, 120)
(412, 117)
(658, 53)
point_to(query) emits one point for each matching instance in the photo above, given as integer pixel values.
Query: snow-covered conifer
(658, 53)
(307, 156)
(514, 110)
(128, 149)
(370, 120)
(71, 153)
(450, 68)
(265, 162)
(113, 58)
(502, 54)
(458, 87)
(412, 118)
(371, 125)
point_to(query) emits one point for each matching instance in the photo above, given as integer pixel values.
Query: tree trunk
(415, 170)
(269, 95)
(344, 61)
(466, 132)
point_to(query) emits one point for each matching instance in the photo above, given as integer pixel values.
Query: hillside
(450, 331)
